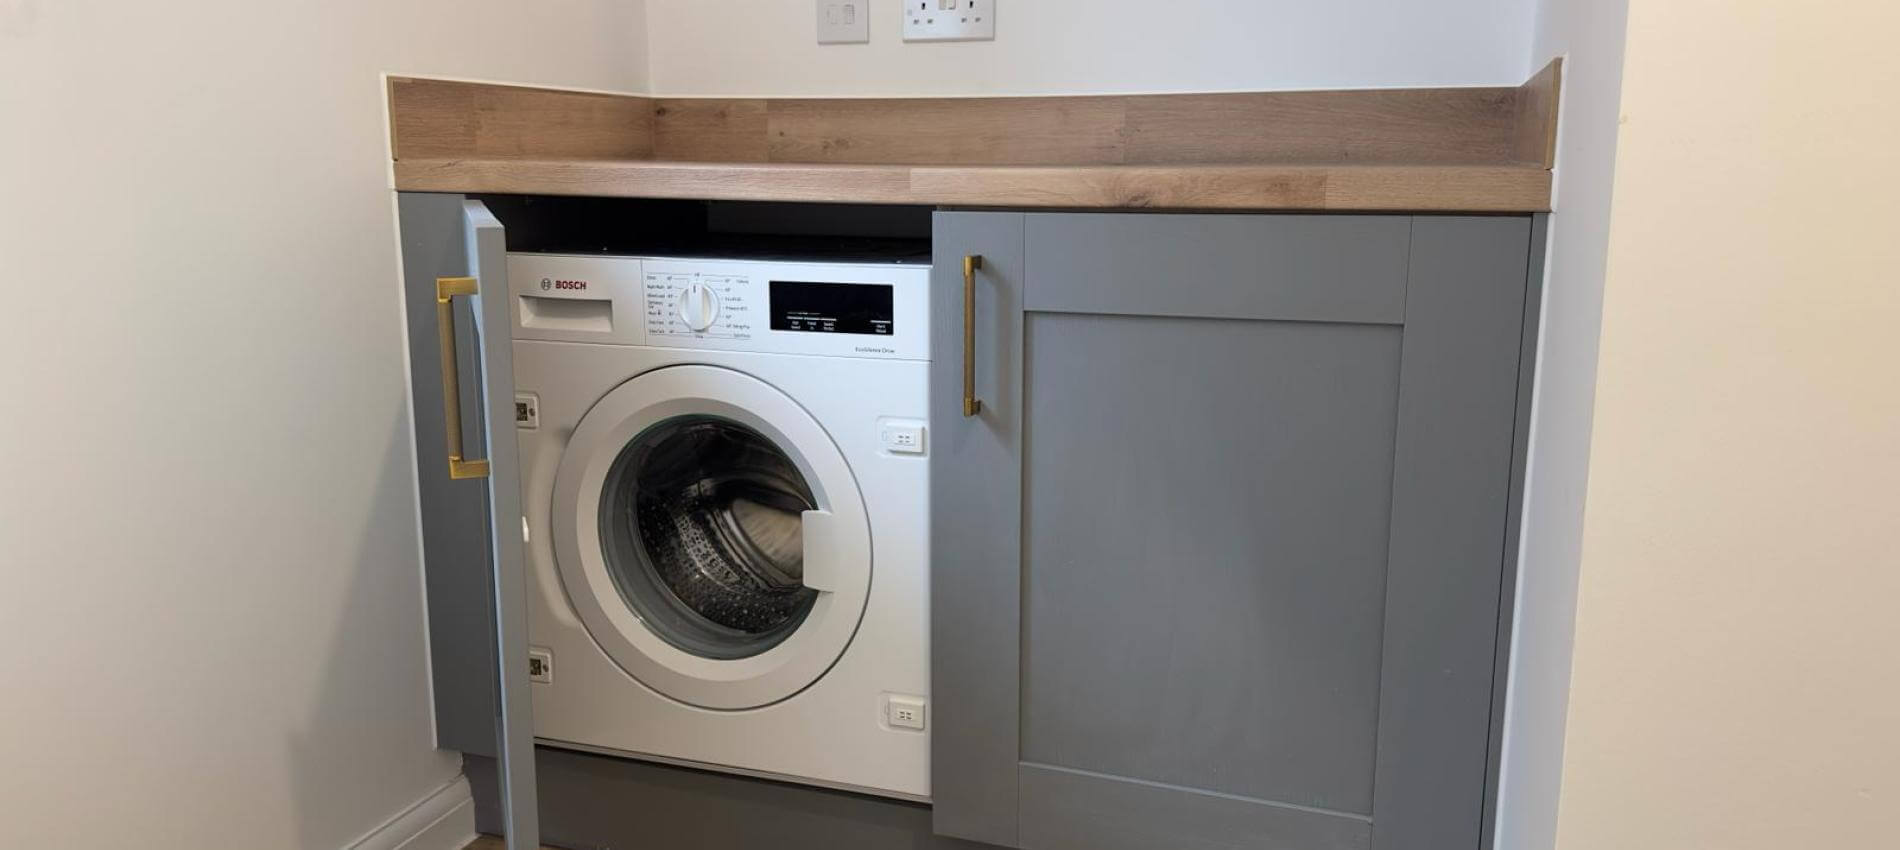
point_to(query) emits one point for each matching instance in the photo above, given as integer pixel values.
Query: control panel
(694, 304)
(841, 309)
(879, 310)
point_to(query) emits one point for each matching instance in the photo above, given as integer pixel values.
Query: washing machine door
(711, 537)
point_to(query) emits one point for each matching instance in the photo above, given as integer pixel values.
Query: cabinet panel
(469, 494)
(1297, 267)
(457, 573)
(1450, 494)
(1068, 810)
(1218, 563)
(976, 475)
(1205, 526)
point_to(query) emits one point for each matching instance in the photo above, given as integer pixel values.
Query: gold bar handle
(446, 288)
(971, 405)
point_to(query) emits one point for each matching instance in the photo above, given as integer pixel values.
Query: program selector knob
(699, 306)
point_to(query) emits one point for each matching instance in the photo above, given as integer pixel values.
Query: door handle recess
(824, 554)
(971, 404)
(446, 288)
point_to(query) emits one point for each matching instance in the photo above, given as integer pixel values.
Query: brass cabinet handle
(447, 288)
(971, 406)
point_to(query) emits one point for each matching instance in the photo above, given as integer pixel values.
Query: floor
(490, 842)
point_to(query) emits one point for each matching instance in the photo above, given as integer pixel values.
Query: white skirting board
(442, 820)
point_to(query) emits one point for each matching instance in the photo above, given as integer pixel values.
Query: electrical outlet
(901, 436)
(904, 712)
(844, 21)
(949, 20)
(527, 411)
(540, 665)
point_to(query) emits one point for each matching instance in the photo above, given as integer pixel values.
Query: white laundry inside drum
(701, 529)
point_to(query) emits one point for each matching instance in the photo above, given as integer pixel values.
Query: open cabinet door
(469, 489)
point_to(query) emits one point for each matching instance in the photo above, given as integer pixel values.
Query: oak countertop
(1429, 150)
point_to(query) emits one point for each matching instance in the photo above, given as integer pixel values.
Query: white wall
(1589, 35)
(209, 577)
(1735, 681)
(769, 47)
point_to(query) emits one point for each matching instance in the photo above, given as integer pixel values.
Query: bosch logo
(547, 284)
(578, 285)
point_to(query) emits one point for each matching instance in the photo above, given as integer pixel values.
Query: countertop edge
(1523, 188)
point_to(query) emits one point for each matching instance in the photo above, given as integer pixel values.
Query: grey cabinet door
(469, 489)
(1217, 561)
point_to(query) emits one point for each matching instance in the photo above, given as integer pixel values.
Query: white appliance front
(727, 548)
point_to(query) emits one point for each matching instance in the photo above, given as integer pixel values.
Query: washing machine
(726, 513)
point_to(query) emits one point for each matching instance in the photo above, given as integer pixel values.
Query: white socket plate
(949, 20)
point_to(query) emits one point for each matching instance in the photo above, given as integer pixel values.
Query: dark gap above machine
(744, 230)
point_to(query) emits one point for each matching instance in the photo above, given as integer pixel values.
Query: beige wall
(209, 577)
(1736, 683)
(769, 47)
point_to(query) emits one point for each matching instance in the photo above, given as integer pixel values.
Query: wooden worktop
(1462, 149)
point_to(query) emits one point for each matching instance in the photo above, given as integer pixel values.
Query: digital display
(831, 308)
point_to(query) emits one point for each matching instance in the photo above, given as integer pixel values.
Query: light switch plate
(949, 20)
(844, 21)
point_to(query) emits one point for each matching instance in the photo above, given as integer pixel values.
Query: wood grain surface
(1451, 149)
(444, 118)
(1509, 188)
(1537, 102)
(710, 130)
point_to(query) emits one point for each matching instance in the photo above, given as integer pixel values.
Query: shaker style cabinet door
(1219, 511)
(455, 294)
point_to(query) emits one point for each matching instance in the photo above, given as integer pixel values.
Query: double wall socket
(949, 20)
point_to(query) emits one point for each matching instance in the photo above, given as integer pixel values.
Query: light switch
(949, 20)
(844, 21)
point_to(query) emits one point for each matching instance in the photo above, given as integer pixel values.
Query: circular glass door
(711, 537)
(701, 522)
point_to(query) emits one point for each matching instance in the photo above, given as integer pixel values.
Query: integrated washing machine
(726, 511)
